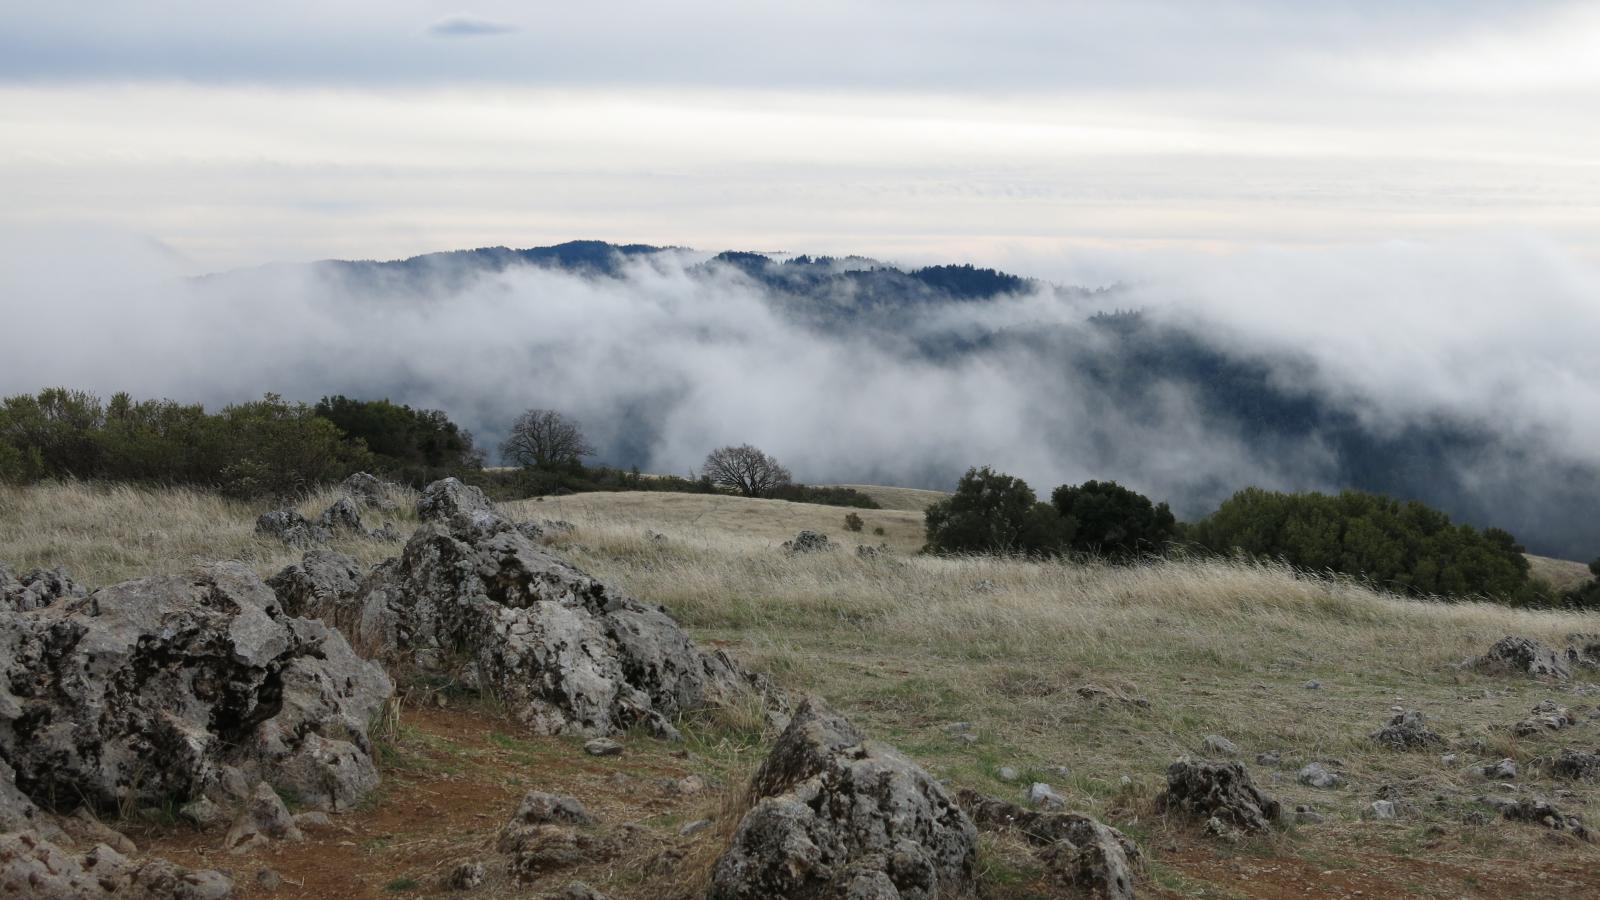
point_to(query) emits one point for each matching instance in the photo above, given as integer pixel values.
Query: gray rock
(1217, 745)
(1504, 770)
(1313, 685)
(836, 812)
(1269, 758)
(1577, 764)
(36, 589)
(602, 747)
(1316, 776)
(865, 551)
(1539, 812)
(203, 672)
(1524, 656)
(263, 819)
(268, 880)
(1547, 715)
(1080, 854)
(1043, 796)
(314, 820)
(1305, 815)
(1381, 809)
(577, 890)
(1061, 772)
(459, 507)
(18, 812)
(369, 490)
(318, 586)
(808, 542)
(467, 876)
(693, 828)
(1200, 791)
(540, 808)
(472, 599)
(290, 527)
(1408, 730)
(342, 516)
(33, 867)
(1007, 773)
(203, 813)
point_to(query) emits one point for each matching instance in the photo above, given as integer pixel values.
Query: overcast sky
(1023, 133)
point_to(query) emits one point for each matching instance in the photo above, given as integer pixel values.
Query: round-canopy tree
(992, 512)
(545, 439)
(1114, 521)
(745, 469)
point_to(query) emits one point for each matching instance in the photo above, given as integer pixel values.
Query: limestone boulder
(155, 690)
(838, 815)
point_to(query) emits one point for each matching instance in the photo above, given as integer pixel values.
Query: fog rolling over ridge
(1464, 376)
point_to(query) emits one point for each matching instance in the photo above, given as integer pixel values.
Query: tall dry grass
(907, 644)
(106, 533)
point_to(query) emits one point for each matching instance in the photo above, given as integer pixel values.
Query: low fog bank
(1383, 347)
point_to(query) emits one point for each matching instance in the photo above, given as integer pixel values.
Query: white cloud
(468, 25)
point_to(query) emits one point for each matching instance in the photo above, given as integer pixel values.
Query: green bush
(267, 446)
(1113, 521)
(853, 522)
(414, 446)
(1401, 546)
(991, 512)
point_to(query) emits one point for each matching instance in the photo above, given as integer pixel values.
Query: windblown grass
(908, 644)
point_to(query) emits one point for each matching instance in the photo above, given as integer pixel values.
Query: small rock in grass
(1501, 771)
(467, 876)
(1316, 776)
(1269, 758)
(1313, 685)
(268, 880)
(1043, 796)
(1305, 815)
(1217, 745)
(602, 747)
(1059, 771)
(1381, 809)
(1006, 773)
(577, 890)
(694, 828)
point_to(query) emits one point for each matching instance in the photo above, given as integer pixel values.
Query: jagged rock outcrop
(1540, 812)
(1525, 656)
(1223, 791)
(1082, 855)
(837, 815)
(369, 490)
(342, 516)
(808, 542)
(1580, 764)
(318, 584)
(1547, 715)
(35, 589)
(36, 868)
(262, 820)
(290, 527)
(164, 688)
(474, 599)
(1408, 730)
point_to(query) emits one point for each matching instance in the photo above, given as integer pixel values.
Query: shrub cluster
(414, 446)
(1402, 546)
(992, 512)
(268, 446)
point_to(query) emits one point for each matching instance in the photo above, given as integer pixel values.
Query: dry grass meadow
(909, 644)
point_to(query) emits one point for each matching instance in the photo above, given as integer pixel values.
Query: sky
(1069, 140)
(1403, 197)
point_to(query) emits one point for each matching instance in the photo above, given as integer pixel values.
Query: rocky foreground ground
(243, 730)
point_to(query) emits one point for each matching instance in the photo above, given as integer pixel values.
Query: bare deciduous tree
(745, 469)
(544, 439)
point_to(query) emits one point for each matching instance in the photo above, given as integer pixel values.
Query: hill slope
(1043, 659)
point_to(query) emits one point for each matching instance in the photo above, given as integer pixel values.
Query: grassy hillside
(907, 645)
(914, 499)
(1562, 574)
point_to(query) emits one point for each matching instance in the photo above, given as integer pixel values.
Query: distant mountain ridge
(1114, 366)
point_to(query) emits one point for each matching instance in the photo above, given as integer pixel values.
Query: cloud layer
(668, 362)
